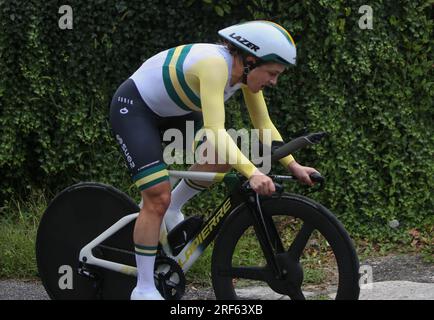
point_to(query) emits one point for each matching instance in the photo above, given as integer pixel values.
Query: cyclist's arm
(261, 120)
(213, 76)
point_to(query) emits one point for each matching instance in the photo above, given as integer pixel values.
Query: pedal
(179, 236)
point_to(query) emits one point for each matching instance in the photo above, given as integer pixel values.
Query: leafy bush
(372, 90)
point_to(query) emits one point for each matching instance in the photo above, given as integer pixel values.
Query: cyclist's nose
(272, 82)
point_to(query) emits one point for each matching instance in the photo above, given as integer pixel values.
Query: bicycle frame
(193, 249)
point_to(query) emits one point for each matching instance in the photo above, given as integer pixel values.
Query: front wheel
(318, 262)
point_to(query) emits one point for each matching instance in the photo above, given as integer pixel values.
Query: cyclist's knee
(222, 167)
(211, 167)
(215, 167)
(156, 199)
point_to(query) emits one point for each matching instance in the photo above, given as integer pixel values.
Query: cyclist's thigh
(135, 128)
(188, 125)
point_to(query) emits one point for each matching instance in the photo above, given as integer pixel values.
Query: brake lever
(318, 178)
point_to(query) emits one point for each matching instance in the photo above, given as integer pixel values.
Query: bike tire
(76, 216)
(226, 273)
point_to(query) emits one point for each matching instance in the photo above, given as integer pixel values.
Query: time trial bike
(288, 242)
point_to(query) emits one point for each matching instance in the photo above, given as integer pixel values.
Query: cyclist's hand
(302, 173)
(261, 183)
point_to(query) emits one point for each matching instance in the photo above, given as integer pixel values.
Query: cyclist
(192, 83)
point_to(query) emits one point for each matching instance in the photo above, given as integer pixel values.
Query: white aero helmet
(265, 40)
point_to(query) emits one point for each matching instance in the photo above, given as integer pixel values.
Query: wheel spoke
(251, 273)
(300, 242)
(171, 284)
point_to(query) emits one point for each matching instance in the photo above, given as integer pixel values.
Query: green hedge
(372, 90)
(56, 84)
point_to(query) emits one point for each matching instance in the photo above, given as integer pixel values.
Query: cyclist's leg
(135, 128)
(206, 166)
(187, 189)
(156, 199)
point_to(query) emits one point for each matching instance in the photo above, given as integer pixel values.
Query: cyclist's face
(264, 76)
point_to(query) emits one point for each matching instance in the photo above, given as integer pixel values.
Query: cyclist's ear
(251, 60)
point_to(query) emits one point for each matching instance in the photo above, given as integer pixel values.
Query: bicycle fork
(267, 235)
(287, 274)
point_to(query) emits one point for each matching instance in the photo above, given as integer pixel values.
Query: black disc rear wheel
(75, 217)
(319, 260)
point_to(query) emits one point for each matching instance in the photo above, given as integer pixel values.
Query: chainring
(169, 278)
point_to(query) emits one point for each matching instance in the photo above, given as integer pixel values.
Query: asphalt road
(404, 277)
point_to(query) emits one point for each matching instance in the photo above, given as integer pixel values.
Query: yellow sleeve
(261, 120)
(213, 76)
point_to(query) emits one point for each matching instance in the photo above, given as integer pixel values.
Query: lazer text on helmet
(244, 41)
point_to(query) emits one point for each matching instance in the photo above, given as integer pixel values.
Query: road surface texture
(402, 277)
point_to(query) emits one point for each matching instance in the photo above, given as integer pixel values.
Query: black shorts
(139, 132)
